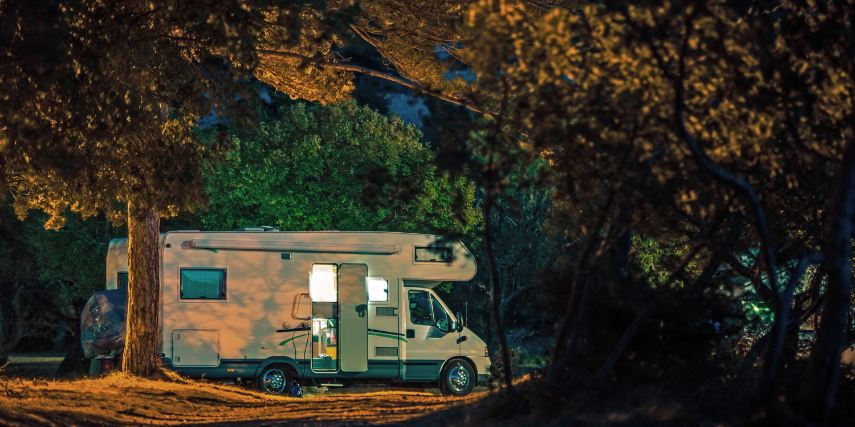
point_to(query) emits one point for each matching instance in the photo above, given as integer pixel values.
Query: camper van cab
(318, 308)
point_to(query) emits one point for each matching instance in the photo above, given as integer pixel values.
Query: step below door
(195, 347)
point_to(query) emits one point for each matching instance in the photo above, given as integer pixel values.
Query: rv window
(420, 308)
(441, 318)
(122, 280)
(198, 283)
(433, 254)
(323, 284)
(378, 289)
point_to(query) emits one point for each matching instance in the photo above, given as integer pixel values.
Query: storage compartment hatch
(196, 347)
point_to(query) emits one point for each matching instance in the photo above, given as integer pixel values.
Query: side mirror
(454, 326)
(460, 322)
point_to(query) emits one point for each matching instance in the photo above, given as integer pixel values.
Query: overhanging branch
(374, 73)
(700, 156)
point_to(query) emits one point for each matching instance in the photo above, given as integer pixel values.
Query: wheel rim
(458, 378)
(273, 381)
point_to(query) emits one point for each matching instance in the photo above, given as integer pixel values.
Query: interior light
(378, 289)
(322, 283)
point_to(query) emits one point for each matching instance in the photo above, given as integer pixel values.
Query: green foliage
(98, 99)
(46, 274)
(339, 167)
(444, 288)
(634, 106)
(656, 258)
(758, 312)
(68, 264)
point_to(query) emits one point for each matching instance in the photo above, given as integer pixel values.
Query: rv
(316, 308)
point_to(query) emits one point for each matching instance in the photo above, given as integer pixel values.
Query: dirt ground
(119, 400)
(31, 396)
(168, 399)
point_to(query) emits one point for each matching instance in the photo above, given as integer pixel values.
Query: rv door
(430, 338)
(353, 327)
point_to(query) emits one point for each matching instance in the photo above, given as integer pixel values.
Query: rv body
(323, 308)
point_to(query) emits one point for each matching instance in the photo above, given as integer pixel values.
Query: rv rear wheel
(274, 379)
(457, 379)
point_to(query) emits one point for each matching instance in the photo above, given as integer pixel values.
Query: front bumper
(482, 365)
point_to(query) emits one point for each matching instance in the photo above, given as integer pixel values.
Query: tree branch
(649, 40)
(564, 327)
(642, 316)
(779, 330)
(721, 175)
(509, 302)
(374, 73)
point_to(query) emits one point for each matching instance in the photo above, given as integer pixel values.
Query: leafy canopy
(338, 167)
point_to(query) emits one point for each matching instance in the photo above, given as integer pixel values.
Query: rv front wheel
(275, 379)
(458, 378)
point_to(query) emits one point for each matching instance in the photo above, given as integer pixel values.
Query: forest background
(657, 192)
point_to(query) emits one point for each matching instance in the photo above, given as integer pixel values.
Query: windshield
(426, 309)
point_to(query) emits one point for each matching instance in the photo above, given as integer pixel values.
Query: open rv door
(353, 327)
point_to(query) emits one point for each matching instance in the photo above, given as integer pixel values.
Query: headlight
(486, 352)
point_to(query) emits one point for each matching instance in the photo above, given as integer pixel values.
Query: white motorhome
(322, 308)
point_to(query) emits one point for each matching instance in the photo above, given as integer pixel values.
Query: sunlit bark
(140, 354)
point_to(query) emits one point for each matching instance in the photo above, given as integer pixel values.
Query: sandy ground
(30, 396)
(118, 400)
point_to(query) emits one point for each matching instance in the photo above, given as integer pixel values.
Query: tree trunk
(59, 341)
(820, 383)
(496, 321)
(9, 338)
(75, 362)
(779, 332)
(141, 341)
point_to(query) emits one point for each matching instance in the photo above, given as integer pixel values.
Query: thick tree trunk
(141, 341)
(820, 383)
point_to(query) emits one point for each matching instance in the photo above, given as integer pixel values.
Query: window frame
(452, 317)
(368, 294)
(450, 255)
(225, 287)
(336, 268)
(410, 310)
(445, 311)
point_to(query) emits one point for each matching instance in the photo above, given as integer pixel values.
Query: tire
(274, 379)
(458, 378)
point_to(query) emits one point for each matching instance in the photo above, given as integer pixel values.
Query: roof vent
(258, 228)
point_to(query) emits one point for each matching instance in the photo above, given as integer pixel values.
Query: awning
(249, 245)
